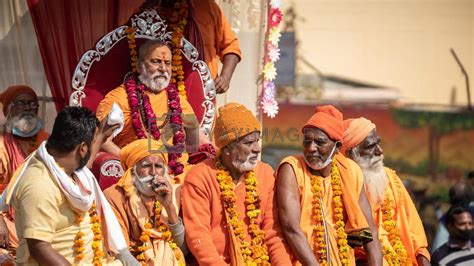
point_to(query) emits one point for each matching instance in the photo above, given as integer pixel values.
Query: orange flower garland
(97, 240)
(166, 235)
(255, 252)
(181, 12)
(319, 240)
(397, 254)
(132, 48)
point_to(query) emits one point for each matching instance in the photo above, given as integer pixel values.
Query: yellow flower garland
(97, 240)
(319, 241)
(132, 48)
(166, 235)
(255, 252)
(396, 254)
(181, 11)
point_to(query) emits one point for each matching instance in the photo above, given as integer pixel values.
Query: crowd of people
(334, 204)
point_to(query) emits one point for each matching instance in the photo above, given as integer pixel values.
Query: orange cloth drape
(352, 184)
(406, 217)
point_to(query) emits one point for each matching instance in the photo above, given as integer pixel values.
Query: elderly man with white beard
(152, 106)
(400, 228)
(22, 135)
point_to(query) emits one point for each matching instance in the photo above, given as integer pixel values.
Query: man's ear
(83, 148)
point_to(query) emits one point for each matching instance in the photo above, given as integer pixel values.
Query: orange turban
(234, 121)
(328, 119)
(139, 149)
(12, 92)
(355, 131)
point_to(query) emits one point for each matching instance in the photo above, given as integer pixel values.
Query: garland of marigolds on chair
(166, 235)
(97, 240)
(255, 252)
(319, 233)
(181, 12)
(396, 254)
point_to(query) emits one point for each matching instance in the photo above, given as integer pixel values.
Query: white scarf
(80, 195)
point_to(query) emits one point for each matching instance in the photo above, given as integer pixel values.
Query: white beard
(375, 177)
(155, 82)
(245, 166)
(24, 122)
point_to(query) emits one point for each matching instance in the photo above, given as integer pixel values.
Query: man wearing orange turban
(23, 134)
(146, 202)
(405, 241)
(322, 205)
(228, 201)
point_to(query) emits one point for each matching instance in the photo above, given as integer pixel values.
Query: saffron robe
(406, 217)
(159, 103)
(132, 212)
(216, 33)
(206, 227)
(352, 180)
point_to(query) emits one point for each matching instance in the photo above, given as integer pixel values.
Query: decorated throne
(104, 68)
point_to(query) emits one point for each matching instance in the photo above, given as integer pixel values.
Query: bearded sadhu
(322, 205)
(400, 228)
(23, 134)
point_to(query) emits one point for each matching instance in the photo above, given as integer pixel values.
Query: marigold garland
(166, 235)
(255, 252)
(96, 242)
(319, 241)
(396, 254)
(132, 47)
(181, 12)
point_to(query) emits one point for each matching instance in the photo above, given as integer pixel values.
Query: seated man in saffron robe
(23, 134)
(322, 204)
(152, 107)
(400, 228)
(146, 203)
(227, 202)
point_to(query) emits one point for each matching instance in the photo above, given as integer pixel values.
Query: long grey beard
(374, 175)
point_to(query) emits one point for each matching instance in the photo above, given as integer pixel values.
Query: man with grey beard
(400, 228)
(22, 135)
(152, 105)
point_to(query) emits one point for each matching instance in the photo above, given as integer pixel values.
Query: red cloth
(12, 92)
(107, 169)
(328, 119)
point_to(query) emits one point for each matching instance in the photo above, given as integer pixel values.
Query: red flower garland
(134, 89)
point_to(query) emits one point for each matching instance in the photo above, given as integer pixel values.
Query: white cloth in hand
(115, 117)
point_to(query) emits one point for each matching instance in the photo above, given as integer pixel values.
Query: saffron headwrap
(328, 119)
(12, 92)
(355, 131)
(139, 149)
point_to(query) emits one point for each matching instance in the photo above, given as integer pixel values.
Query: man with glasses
(22, 135)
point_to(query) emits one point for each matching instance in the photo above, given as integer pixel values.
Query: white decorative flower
(273, 52)
(270, 107)
(275, 3)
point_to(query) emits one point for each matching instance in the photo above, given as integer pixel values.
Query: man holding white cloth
(61, 215)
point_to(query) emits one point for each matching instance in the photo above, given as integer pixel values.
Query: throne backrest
(102, 69)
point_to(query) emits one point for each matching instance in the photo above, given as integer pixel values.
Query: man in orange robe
(154, 71)
(228, 203)
(134, 200)
(209, 31)
(322, 205)
(406, 241)
(23, 134)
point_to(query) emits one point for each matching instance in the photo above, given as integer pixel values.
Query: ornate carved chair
(103, 68)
